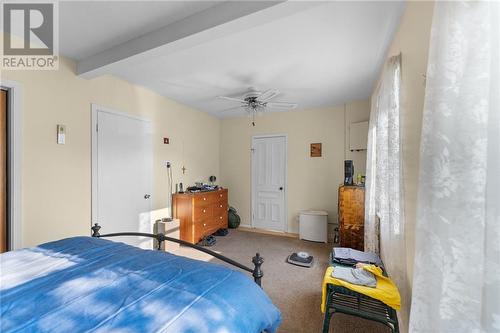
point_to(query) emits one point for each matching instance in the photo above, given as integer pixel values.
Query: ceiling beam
(215, 22)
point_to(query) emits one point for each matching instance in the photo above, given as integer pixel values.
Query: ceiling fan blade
(231, 99)
(282, 105)
(231, 109)
(267, 95)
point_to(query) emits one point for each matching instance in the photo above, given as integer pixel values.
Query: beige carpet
(296, 291)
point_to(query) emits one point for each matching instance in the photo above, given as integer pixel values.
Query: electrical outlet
(61, 134)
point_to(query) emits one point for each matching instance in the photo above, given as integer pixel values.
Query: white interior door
(122, 175)
(268, 183)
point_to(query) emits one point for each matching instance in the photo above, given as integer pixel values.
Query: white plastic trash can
(313, 225)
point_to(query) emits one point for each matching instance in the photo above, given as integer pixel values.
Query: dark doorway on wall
(4, 212)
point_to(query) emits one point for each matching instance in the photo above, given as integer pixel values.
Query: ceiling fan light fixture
(256, 103)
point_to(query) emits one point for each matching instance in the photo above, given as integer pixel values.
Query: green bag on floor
(233, 219)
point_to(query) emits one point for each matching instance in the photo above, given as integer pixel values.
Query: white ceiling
(326, 53)
(89, 27)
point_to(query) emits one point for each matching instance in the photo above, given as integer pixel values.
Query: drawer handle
(220, 195)
(220, 217)
(204, 211)
(204, 198)
(204, 224)
(220, 206)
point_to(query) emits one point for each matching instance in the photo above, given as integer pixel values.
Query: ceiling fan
(255, 102)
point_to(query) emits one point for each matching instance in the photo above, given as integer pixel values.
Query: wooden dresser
(200, 214)
(351, 208)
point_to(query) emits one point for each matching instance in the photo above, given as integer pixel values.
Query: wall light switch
(61, 134)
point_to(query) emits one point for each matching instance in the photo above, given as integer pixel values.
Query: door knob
(281, 188)
(147, 196)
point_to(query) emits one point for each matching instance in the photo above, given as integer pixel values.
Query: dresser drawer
(199, 230)
(202, 212)
(219, 210)
(203, 199)
(220, 218)
(220, 196)
(206, 227)
(219, 206)
(210, 229)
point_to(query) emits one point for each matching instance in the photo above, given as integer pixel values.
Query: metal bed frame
(257, 260)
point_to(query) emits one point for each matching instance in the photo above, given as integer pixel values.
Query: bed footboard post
(257, 271)
(160, 238)
(95, 230)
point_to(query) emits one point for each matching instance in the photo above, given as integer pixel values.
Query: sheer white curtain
(383, 166)
(456, 285)
(384, 188)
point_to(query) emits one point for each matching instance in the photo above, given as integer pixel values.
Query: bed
(84, 284)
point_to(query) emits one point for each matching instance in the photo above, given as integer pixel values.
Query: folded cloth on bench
(358, 276)
(385, 291)
(348, 256)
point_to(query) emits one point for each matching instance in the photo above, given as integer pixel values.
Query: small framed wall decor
(315, 149)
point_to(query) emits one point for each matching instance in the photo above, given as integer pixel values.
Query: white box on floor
(313, 225)
(170, 229)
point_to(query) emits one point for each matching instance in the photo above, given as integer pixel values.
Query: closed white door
(268, 183)
(122, 175)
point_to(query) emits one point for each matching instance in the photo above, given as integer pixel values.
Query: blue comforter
(86, 284)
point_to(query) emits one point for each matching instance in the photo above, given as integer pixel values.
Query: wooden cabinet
(200, 214)
(351, 208)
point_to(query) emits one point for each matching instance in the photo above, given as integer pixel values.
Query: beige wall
(356, 112)
(56, 191)
(312, 182)
(412, 41)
